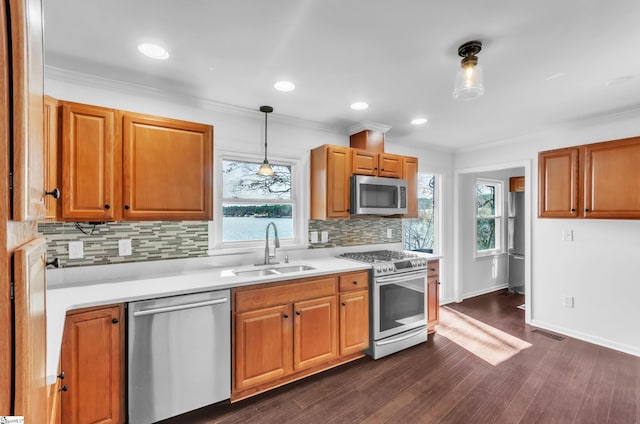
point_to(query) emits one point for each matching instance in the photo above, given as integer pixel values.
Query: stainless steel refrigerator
(516, 241)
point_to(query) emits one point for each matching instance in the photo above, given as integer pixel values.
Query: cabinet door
(516, 184)
(92, 360)
(338, 173)
(51, 156)
(88, 162)
(354, 321)
(167, 169)
(433, 303)
(558, 183)
(410, 173)
(262, 345)
(363, 162)
(390, 165)
(612, 179)
(315, 336)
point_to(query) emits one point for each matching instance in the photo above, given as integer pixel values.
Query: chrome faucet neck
(267, 255)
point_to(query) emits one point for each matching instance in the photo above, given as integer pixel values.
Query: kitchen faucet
(267, 256)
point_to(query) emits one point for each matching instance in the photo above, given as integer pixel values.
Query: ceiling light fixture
(419, 121)
(469, 77)
(153, 51)
(265, 169)
(359, 106)
(284, 86)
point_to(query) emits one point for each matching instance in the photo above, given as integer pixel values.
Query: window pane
(419, 232)
(239, 181)
(485, 200)
(249, 222)
(486, 238)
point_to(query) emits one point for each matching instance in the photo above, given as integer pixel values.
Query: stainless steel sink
(273, 271)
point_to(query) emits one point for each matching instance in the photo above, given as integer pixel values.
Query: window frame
(437, 211)
(498, 217)
(217, 245)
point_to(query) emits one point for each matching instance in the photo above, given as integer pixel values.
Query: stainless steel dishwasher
(179, 354)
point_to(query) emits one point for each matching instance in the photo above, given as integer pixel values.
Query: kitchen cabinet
(288, 330)
(600, 180)
(92, 361)
(122, 165)
(433, 295)
(516, 184)
(330, 172)
(410, 173)
(51, 159)
(354, 312)
(377, 164)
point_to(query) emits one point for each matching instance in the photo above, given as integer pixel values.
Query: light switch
(389, 233)
(313, 236)
(124, 247)
(325, 236)
(567, 235)
(76, 249)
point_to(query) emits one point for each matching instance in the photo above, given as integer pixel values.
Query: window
(488, 217)
(421, 233)
(251, 201)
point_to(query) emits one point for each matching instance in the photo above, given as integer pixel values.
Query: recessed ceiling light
(153, 51)
(284, 86)
(419, 121)
(359, 106)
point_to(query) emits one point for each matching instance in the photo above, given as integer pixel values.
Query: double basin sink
(276, 270)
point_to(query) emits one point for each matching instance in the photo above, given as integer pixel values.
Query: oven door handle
(400, 338)
(399, 278)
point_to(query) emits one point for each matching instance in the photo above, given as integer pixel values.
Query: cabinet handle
(107, 206)
(55, 262)
(375, 169)
(438, 282)
(344, 303)
(432, 269)
(285, 316)
(573, 210)
(355, 283)
(586, 210)
(382, 169)
(127, 207)
(63, 388)
(298, 313)
(115, 321)
(61, 375)
(55, 193)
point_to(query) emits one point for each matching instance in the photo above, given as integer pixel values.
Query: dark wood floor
(553, 381)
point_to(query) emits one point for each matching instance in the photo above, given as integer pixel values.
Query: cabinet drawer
(433, 268)
(264, 297)
(355, 281)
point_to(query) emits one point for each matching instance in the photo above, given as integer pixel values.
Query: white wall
(600, 268)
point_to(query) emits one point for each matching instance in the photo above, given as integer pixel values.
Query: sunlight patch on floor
(486, 342)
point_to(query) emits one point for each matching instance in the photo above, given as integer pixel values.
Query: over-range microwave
(378, 195)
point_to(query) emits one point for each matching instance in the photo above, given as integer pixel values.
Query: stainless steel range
(398, 302)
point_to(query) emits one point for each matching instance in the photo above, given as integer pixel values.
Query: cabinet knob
(432, 269)
(355, 283)
(55, 262)
(61, 375)
(344, 303)
(438, 282)
(55, 193)
(285, 316)
(586, 210)
(127, 207)
(115, 321)
(63, 388)
(298, 313)
(107, 206)
(573, 210)
(382, 169)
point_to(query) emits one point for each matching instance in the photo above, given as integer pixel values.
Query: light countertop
(120, 288)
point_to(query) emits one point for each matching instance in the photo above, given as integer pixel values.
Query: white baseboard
(484, 291)
(632, 350)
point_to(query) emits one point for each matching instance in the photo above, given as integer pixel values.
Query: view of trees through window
(488, 212)
(251, 201)
(419, 233)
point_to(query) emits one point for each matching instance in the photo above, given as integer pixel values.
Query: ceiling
(546, 62)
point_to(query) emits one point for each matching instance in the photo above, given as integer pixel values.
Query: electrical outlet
(313, 236)
(389, 233)
(76, 249)
(568, 301)
(567, 235)
(325, 236)
(124, 247)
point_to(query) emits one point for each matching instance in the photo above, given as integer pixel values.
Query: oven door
(399, 303)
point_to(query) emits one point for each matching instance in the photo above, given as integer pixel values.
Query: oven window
(401, 304)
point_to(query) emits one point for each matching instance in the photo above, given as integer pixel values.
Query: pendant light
(469, 77)
(265, 169)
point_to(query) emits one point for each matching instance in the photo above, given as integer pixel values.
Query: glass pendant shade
(468, 82)
(265, 169)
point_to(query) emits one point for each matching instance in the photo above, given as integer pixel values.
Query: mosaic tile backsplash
(153, 240)
(357, 231)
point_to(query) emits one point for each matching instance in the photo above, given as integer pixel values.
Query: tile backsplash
(153, 240)
(357, 231)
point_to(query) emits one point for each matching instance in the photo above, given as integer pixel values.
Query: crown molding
(369, 125)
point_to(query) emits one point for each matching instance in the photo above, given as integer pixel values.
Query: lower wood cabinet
(433, 295)
(93, 364)
(288, 330)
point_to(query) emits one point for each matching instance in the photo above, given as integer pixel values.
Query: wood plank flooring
(553, 381)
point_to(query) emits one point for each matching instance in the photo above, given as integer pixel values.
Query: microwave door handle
(396, 196)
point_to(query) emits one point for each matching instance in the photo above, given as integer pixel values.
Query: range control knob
(378, 269)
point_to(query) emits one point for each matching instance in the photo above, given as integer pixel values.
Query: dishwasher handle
(179, 307)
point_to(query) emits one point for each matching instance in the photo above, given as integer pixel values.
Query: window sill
(488, 255)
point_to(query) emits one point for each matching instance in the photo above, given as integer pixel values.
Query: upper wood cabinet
(378, 164)
(410, 173)
(89, 163)
(330, 172)
(600, 180)
(167, 169)
(121, 165)
(516, 184)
